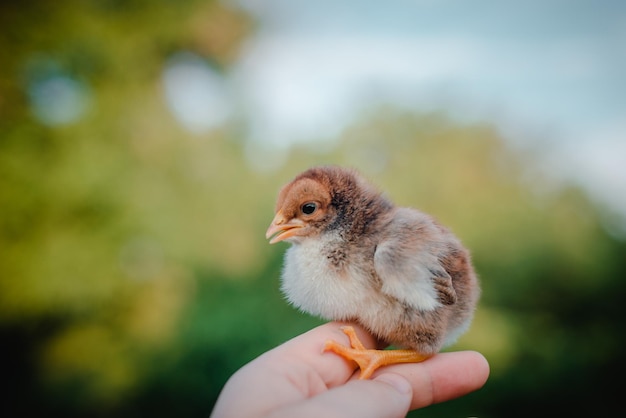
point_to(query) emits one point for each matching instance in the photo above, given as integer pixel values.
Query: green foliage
(134, 276)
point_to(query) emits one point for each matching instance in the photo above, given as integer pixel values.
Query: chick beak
(280, 229)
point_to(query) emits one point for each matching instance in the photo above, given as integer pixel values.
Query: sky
(551, 73)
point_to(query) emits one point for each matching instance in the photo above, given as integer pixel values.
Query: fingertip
(480, 365)
(456, 374)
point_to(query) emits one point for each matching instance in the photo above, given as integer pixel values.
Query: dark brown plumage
(355, 256)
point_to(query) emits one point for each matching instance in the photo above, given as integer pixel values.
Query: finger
(444, 377)
(387, 396)
(308, 348)
(291, 372)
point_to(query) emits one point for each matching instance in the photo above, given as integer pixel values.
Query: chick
(357, 257)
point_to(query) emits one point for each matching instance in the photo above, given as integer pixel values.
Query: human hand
(297, 379)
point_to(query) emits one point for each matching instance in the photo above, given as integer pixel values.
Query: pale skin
(298, 378)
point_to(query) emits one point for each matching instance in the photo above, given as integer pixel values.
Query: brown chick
(355, 256)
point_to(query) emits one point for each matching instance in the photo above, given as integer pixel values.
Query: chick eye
(309, 208)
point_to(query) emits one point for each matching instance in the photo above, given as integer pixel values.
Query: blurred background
(143, 143)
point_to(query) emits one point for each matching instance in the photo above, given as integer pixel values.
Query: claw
(369, 360)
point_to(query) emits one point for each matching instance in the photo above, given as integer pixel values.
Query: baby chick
(357, 257)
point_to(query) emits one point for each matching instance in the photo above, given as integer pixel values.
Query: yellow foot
(370, 360)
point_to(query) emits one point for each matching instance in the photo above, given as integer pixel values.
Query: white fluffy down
(313, 285)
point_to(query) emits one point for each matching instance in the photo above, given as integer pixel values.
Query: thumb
(388, 396)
